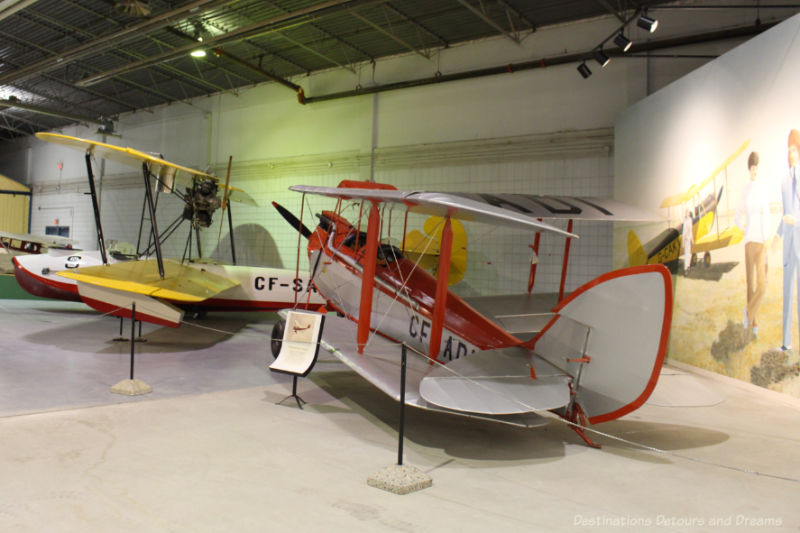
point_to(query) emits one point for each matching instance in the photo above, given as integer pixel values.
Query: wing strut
(566, 262)
(535, 249)
(440, 301)
(101, 243)
(153, 226)
(230, 232)
(368, 277)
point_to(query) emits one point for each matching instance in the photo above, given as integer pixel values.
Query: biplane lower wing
(380, 364)
(711, 241)
(181, 283)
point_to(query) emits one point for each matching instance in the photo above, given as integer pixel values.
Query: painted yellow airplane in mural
(666, 247)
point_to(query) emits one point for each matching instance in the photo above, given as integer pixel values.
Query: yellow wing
(130, 156)
(425, 248)
(678, 199)
(181, 282)
(732, 235)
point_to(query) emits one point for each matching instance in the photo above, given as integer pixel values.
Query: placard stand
(299, 348)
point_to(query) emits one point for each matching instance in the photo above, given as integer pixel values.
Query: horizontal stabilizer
(181, 282)
(495, 382)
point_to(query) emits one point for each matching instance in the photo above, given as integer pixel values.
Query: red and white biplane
(595, 356)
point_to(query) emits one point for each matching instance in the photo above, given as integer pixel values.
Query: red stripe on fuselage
(44, 287)
(460, 318)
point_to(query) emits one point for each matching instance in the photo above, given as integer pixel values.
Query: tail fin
(621, 322)
(636, 254)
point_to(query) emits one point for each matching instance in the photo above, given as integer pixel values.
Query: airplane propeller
(292, 220)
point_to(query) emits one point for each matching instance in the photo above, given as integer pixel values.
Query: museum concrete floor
(209, 449)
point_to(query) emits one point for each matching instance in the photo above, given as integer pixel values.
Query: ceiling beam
(50, 112)
(316, 52)
(608, 7)
(336, 38)
(511, 9)
(101, 44)
(257, 69)
(278, 23)
(481, 15)
(389, 34)
(656, 44)
(418, 24)
(9, 7)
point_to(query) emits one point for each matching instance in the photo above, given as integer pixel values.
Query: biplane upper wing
(182, 175)
(522, 210)
(691, 192)
(181, 282)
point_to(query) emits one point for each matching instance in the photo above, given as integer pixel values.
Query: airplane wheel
(707, 259)
(694, 260)
(277, 337)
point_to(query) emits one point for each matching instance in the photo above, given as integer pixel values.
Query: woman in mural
(754, 208)
(789, 229)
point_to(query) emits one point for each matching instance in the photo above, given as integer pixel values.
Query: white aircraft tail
(611, 335)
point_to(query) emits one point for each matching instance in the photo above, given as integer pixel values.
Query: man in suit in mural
(789, 229)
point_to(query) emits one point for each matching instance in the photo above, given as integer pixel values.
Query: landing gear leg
(575, 414)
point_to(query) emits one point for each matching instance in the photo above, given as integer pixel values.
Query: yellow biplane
(161, 289)
(667, 247)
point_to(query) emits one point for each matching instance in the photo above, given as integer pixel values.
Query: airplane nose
(40, 287)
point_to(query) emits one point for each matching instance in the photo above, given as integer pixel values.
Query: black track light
(583, 68)
(646, 23)
(601, 57)
(623, 42)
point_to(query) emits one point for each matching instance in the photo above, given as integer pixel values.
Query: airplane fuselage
(259, 288)
(403, 297)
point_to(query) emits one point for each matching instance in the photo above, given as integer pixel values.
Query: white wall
(275, 142)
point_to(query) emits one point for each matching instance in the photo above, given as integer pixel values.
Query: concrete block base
(400, 479)
(131, 387)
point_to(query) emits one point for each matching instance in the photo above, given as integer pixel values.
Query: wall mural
(716, 154)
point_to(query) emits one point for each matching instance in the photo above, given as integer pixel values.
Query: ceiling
(88, 61)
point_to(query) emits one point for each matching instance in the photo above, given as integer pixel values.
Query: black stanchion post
(133, 333)
(402, 406)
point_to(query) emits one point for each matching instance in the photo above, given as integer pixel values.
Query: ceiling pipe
(659, 44)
